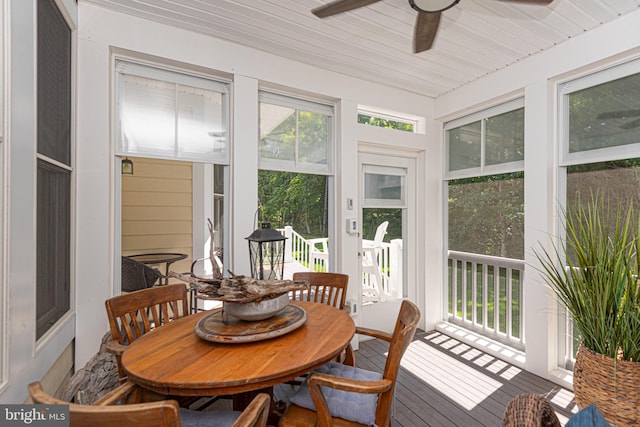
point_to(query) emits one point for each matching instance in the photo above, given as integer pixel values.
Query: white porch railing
(312, 254)
(485, 294)
(382, 281)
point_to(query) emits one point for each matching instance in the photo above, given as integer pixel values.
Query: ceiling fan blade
(339, 6)
(621, 114)
(425, 31)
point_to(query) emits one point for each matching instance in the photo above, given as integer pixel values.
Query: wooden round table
(173, 360)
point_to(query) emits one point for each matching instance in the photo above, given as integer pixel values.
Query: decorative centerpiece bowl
(243, 297)
(256, 310)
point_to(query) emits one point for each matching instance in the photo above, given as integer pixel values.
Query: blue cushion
(357, 407)
(208, 418)
(588, 417)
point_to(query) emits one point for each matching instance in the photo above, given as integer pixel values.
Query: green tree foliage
(296, 199)
(384, 123)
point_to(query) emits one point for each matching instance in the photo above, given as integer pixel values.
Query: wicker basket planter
(613, 385)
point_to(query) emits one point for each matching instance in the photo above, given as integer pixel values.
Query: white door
(387, 198)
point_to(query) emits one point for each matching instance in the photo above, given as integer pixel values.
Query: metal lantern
(266, 253)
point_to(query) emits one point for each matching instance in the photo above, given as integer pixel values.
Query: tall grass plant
(595, 275)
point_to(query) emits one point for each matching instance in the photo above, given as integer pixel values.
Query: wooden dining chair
(118, 408)
(325, 288)
(351, 396)
(133, 315)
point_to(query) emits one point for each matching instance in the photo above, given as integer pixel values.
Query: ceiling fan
(426, 26)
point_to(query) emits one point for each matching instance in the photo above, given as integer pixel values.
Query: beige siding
(157, 209)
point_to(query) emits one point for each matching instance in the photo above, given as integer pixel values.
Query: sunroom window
(599, 148)
(485, 215)
(295, 185)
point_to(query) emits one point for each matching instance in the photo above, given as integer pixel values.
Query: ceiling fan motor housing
(432, 6)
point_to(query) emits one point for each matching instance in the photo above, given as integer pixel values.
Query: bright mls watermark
(36, 415)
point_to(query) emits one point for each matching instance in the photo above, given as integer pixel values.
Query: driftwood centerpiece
(244, 297)
(240, 289)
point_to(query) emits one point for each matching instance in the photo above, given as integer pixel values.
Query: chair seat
(356, 407)
(300, 417)
(190, 418)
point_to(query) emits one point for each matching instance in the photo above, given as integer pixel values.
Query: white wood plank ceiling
(476, 37)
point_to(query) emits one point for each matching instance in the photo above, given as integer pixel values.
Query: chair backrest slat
(325, 288)
(134, 314)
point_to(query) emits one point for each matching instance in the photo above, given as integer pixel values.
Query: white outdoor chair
(371, 290)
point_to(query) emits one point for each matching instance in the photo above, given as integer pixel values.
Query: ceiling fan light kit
(432, 6)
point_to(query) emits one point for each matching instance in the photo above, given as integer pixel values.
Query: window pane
(504, 137)
(382, 122)
(201, 127)
(313, 131)
(148, 116)
(53, 245)
(486, 215)
(464, 146)
(387, 187)
(54, 84)
(277, 132)
(606, 115)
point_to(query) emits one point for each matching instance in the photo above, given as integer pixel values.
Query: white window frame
(295, 165)
(482, 170)
(183, 77)
(602, 154)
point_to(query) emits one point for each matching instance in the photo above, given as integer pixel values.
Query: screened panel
(486, 215)
(312, 129)
(53, 269)
(605, 115)
(465, 146)
(54, 83)
(504, 138)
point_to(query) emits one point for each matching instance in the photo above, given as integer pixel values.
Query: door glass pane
(382, 254)
(378, 186)
(504, 137)
(277, 132)
(606, 115)
(464, 146)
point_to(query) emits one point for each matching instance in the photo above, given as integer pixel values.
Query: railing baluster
(487, 273)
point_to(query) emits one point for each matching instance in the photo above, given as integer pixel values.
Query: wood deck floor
(444, 382)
